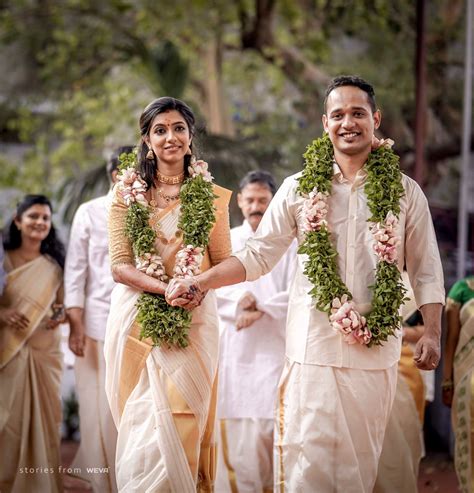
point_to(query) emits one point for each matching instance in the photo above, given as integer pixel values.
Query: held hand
(14, 319)
(176, 289)
(247, 302)
(185, 293)
(427, 353)
(247, 318)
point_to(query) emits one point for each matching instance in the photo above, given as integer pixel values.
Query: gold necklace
(170, 180)
(167, 198)
(155, 224)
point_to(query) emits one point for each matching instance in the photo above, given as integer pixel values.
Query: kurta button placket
(351, 236)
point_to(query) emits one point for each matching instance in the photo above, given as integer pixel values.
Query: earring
(150, 155)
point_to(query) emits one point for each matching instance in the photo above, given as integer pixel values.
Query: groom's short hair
(352, 80)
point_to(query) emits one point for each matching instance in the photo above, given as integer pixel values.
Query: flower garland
(384, 190)
(160, 321)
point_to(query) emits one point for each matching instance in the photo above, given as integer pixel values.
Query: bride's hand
(185, 293)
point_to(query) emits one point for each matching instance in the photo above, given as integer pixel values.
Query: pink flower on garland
(133, 188)
(386, 240)
(315, 209)
(152, 265)
(188, 262)
(200, 168)
(362, 335)
(347, 320)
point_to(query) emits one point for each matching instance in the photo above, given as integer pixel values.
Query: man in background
(252, 354)
(88, 287)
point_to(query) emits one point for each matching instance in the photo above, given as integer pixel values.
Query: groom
(335, 397)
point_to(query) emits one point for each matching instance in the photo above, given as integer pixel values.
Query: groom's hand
(427, 353)
(185, 293)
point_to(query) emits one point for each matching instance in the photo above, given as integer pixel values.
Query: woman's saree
(30, 376)
(163, 398)
(463, 401)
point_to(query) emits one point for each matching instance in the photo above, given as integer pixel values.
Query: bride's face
(35, 222)
(169, 137)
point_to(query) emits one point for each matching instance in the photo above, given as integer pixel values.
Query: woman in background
(30, 355)
(458, 373)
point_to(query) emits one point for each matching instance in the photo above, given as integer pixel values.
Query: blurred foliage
(86, 68)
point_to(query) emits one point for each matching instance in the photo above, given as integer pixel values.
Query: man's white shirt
(88, 279)
(309, 336)
(251, 359)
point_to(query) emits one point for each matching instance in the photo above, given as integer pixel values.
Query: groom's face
(350, 121)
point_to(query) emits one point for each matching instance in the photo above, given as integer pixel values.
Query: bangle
(59, 313)
(447, 384)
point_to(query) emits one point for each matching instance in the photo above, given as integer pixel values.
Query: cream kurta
(309, 337)
(332, 411)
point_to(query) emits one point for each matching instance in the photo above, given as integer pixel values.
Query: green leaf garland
(197, 211)
(384, 190)
(159, 321)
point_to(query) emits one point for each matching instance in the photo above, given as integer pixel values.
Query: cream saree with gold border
(30, 405)
(463, 401)
(162, 399)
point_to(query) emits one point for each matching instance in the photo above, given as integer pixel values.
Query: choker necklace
(170, 180)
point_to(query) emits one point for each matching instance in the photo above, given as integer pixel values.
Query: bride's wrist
(160, 287)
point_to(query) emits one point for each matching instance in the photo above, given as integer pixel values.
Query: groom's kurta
(335, 398)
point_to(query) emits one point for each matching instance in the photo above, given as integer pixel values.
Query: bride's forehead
(168, 118)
